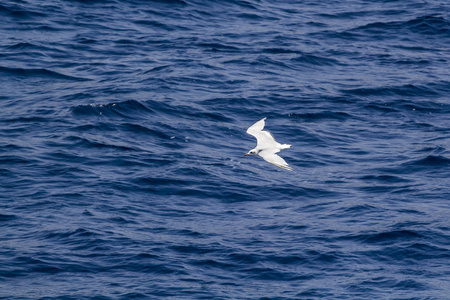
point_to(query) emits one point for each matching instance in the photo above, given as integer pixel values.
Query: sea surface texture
(123, 133)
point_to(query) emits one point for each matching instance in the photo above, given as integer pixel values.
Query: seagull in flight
(266, 146)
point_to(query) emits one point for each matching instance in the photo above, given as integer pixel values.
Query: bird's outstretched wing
(263, 138)
(257, 127)
(273, 158)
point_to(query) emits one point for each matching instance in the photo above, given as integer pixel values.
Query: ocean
(123, 133)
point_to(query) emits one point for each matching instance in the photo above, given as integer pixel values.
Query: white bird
(266, 146)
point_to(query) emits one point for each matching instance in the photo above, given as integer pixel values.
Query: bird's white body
(266, 146)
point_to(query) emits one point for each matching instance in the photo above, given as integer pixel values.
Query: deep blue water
(123, 128)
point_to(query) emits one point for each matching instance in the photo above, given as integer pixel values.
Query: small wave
(315, 60)
(4, 9)
(156, 24)
(384, 178)
(436, 150)
(193, 249)
(170, 2)
(409, 90)
(415, 251)
(419, 28)
(325, 115)
(366, 287)
(79, 233)
(19, 13)
(219, 47)
(7, 218)
(15, 160)
(22, 46)
(27, 264)
(125, 109)
(426, 25)
(430, 25)
(29, 47)
(423, 107)
(384, 108)
(89, 144)
(136, 128)
(29, 73)
(431, 161)
(387, 237)
(157, 69)
(281, 51)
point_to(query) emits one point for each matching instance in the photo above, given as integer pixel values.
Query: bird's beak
(245, 154)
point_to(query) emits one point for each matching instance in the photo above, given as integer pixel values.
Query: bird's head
(252, 152)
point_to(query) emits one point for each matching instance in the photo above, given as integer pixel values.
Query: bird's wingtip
(286, 167)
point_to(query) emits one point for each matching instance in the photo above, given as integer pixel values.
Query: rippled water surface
(123, 128)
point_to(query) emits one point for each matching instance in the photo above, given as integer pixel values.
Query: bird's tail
(285, 146)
